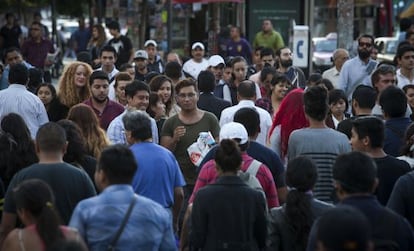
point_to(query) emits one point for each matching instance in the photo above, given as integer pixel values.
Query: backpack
(249, 177)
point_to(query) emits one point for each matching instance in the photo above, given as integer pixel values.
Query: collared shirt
(17, 99)
(35, 53)
(158, 183)
(116, 130)
(208, 174)
(265, 119)
(97, 219)
(112, 110)
(403, 80)
(333, 75)
(355, 72)
(111, 76)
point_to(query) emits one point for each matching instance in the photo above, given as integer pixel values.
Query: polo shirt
(111, 111)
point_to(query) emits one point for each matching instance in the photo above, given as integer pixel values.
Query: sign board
(300, 47)
(280, 12)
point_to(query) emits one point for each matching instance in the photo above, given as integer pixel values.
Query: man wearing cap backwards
(197, 63)
(154, 60)
(121, 43)
(216, 66)
(141, 64)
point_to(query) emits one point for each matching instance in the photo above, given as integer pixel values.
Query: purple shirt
(111, 111)
(240, 48)
(35, 53)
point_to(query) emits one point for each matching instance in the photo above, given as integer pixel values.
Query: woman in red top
(35, 208)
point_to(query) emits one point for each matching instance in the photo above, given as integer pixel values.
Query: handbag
(112, 244)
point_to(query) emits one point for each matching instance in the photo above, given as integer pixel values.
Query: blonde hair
(68, 93)
(94, 135)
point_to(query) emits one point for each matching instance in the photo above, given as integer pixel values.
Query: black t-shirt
(123, 47)
(389, 169)
(69, 184)
(10, 36)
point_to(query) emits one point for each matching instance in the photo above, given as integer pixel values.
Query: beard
(286, 63)
(100, 101)
(364, 54)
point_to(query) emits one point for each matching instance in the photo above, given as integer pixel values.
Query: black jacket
(228, 215)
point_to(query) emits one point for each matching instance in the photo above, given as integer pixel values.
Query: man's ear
(366, 141)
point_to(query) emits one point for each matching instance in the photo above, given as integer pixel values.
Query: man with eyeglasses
(183, 129)
(405, 59)
(285, 66)
(357, 71)
(36, 48)
(339, 57)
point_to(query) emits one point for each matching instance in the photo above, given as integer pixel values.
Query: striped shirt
(322, 145)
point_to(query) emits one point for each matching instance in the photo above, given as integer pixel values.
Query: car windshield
(391, 47)
(328, 45)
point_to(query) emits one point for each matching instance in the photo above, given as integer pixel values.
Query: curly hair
(68, 93)
(86, 119)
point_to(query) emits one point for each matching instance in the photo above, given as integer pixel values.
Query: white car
(387, 48)
(323, 48)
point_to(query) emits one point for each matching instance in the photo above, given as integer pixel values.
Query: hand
(178, 133)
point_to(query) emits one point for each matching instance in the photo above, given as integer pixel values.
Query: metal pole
(345, 24)
(169, 25)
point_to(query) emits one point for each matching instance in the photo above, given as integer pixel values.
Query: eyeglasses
(35, 29)
(362, 44)
(188, 95)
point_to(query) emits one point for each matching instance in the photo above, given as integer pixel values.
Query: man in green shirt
(268, 37)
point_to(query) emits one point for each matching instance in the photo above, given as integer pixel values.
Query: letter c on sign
(298, 50)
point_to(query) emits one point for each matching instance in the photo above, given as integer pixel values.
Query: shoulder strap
(253, 167)
(112, 244)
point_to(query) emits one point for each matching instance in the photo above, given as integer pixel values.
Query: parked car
(387, 48)
(323, 48)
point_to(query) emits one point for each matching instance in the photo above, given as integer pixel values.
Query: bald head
(339, 57)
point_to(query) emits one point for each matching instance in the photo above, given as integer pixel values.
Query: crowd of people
(227, 152)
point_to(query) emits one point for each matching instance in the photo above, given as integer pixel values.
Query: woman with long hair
(94, 135)
(277, 88)
(156, 109)
(55, 110)
(17, 149)
(163, 86)
(76, 151)
(228, 214)
(74, 84)
(289, 225)
(239, 73)
(36, 209)
(290, 116)
(97, 41)
(407, 151)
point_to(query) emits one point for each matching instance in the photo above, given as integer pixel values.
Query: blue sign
(298, 49)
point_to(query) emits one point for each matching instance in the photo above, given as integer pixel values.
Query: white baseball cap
(197, 44)
(150, 42)
(234, 130)
(215, 60)
(141, 54)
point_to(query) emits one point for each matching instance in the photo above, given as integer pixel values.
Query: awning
(409, 12)
(208, 1)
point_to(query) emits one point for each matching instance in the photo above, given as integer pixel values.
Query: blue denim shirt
(98, 219)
